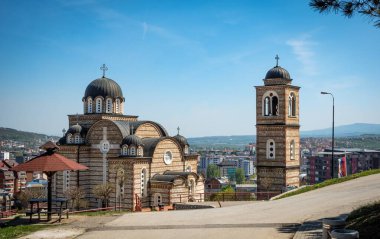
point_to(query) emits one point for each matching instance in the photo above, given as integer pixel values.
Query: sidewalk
(309, 230)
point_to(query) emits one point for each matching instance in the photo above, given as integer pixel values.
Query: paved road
(273, 219)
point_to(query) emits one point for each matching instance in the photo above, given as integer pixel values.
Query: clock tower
(277, 130)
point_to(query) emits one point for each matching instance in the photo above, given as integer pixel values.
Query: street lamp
(332, 152)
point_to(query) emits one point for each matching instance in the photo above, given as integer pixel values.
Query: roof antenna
(277, 58)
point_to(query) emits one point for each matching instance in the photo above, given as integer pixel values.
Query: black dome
(75, 129)
(182, 140)
(103, 87)
(132, 140)
(277, 72)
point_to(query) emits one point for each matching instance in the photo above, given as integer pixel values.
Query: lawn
(330, 182)
(366, 220)
(10, 230)
(102, 213)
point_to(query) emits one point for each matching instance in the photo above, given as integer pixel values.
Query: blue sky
(192, 64)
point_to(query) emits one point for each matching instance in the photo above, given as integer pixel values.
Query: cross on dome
(104, 68)
(277, 58)
(178, 128)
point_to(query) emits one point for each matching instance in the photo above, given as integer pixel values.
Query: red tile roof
(49, 162)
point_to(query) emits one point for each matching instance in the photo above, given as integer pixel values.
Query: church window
(98, 105)
(271, 149)
(132, 151)
(192, 187)
(120, 177)
(124, 150)
(89, 105)
(77, 139)
(274, 105)
(292, 149)
(143, 183)
(117, 106)
(292, 105)
(270, 104)
(140, 151)
(266, 105)
(188, 168)
(186, 149)
(66, 180)
(109, 105)
(69, 139)
(157, 199)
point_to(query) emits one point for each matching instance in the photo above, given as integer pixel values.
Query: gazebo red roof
(49, 162)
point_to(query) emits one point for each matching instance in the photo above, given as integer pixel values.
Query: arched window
(292, 150)
(124, 150)
(292, 105)
(109, 105)
(140, 151)
(270, 104)
(266, 106)
(117, 106)
(89, 105)
(69, 139)
(77, 139)
(66, 180)
(186, 149)
(271, 149)
(132, 151)
(157, 199)
(188, 168)
(120, 177)
(98, 105)
(274, 105)
(192, 187)
(143, 183)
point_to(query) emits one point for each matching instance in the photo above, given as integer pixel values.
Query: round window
(168, 158)
(271, 155)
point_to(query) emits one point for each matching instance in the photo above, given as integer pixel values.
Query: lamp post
(332, 138)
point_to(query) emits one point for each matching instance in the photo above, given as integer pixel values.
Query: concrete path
(273, 219)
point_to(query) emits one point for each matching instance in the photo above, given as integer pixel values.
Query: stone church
(277, 130)
(146, 165)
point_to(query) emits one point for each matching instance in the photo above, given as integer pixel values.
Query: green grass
(102, 213)
(10, 230)
(366, 220)
(330, 182)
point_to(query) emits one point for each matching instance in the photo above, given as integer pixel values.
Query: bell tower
(277, 130)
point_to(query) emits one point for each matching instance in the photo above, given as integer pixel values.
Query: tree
(213, 171)
(369, 8)
(103, 192)
(76, 195)
(239, 176)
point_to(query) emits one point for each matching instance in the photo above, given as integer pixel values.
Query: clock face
(168, 158)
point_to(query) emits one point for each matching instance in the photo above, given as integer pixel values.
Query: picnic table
(40, 209)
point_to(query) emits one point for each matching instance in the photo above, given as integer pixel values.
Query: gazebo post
(50, 177)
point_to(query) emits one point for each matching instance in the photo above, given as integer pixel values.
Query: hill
(344, 130)
(22, 136)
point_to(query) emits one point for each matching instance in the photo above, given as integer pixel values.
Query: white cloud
(303, 49)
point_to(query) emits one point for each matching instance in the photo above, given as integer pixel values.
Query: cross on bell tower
(104, 68)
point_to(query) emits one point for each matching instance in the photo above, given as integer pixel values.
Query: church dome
(103, 87)
(277, 72)
(75, 129)
(132, 140)
(182, 140)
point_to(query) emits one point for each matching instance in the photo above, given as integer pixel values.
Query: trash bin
(344, 234)
(330, 224)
